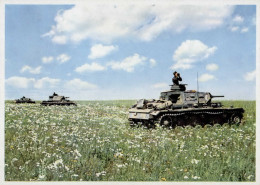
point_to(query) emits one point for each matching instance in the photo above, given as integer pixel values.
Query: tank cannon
(180, 107)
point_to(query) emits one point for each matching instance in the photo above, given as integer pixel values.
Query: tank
(55, 99)
(181, 107)
(24, 100)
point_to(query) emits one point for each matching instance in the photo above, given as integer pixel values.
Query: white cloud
(181, 66)
(47, 60)
(23, 82)
(106, 22)
(238, 19)
(244, 30)
(63, 58)
(234, 28)
(129, 63)
(46, 82)
(160, 85)
(206, 77)
(250, 76)
(189, 52)
(78, 84)
(31, 70)
(99, 50)
(19, 82)
(60, 39)
(152, 62)
(212, 67)
(90, 68)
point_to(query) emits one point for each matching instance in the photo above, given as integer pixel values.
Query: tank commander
(176, 78)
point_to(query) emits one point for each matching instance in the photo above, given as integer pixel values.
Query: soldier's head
(175, 73)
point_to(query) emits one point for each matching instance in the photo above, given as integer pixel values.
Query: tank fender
(155, 113)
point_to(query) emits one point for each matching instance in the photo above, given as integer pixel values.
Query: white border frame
(61, 2)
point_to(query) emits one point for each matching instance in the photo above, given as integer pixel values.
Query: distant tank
(24, 100)
(179, 107)
(55, 99)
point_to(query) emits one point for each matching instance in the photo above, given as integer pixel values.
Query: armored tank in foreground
(55, 99)
(24, 100)
(181, 107)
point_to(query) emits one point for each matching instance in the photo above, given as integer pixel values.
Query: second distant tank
(24, 100)
(55, 99)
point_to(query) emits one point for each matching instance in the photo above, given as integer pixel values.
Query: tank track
(193, 118)
(58, 103)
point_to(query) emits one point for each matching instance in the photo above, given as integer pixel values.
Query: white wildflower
(195, 161)
(195, 177)
(41, 177)
(14, 159)
(101, 173)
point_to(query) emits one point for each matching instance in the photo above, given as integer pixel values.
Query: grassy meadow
(94, 142)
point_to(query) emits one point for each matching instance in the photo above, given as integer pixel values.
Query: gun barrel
(217, 96)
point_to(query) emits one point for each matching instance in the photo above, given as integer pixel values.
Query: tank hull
(183, 117)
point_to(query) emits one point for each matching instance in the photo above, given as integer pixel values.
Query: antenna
(197, 82)
(198, 88)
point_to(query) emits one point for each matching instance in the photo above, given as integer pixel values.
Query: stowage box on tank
(24, 100)
(55, 99)
(180, 107)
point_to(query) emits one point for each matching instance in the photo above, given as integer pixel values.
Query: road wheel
(166, 121)
(236, 119)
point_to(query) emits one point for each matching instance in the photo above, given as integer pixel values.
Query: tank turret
(179, 106)
(55, 99)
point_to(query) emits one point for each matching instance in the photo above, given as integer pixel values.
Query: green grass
(94, 142)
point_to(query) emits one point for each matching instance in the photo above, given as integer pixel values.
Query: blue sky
(128, 51)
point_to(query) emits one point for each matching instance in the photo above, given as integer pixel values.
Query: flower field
(94, 142)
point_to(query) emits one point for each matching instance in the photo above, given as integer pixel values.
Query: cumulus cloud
(244, 30)
(152, 62)
(236, 25)
(234, 28)
(46, 82)
(90, 68)
(19, 82)
(78, 84)
(160, 85)
(63, 58)
(250, 76)
(212, 67)
(31, 70)
(60, 39)
(106, 22)
(238, 19)
(47, 60)
(206, 77)
(128, 64)
(23, 82)
(99, 51)
(189, 52)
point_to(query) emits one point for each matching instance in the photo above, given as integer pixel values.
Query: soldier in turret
(176, 78)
